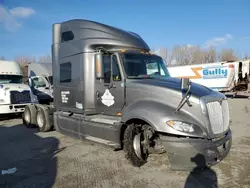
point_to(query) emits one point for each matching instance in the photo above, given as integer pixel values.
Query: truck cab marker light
(119, 114)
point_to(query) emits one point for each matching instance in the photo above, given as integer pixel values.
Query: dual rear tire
(29, 116)
(37, 116)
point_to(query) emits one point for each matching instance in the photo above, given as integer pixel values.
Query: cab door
(110, 93)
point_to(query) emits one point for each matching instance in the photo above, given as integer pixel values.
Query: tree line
(187, 55)
(177, 56)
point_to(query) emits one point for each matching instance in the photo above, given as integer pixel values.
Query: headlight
(34, 99)
(182, 126)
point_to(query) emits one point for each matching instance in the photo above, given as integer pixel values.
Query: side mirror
(30, 82)
(99, 66)
(185, 83)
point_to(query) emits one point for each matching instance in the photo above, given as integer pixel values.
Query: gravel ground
(53, 160)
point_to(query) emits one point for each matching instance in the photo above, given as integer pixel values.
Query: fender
(156, 114)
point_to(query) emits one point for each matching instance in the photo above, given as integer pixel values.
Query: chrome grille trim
(226, 116)
(216, 111)
(215, 116)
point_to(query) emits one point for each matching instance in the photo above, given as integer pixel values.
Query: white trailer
(220, 76)
(14, 94)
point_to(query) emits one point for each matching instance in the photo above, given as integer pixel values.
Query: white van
(219, 76)
(14, 94)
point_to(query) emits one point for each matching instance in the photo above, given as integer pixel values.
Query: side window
(107, 68)
(161, 69)
(155, 69)
(67, 36)
(116, 75)
(65, 72)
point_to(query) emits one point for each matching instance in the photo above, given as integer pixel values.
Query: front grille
(218, 113)
(17, 97)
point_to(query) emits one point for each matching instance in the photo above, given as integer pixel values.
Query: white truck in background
(220, 76)
(14, 94)
(40, 74)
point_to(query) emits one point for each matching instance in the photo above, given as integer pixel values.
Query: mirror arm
(184, 99)
(112, 85)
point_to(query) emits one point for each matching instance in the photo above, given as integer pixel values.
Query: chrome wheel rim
(27, 117)
(137, 145)
(40, 120)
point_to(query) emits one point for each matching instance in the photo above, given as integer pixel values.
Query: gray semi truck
(110, 89)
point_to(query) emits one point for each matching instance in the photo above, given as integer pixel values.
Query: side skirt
(98, 128)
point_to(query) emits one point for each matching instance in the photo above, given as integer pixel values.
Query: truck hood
(161, 96)
(15, 87)
(171, 83)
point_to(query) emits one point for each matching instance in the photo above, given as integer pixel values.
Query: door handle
(112, 85)
(98, 94)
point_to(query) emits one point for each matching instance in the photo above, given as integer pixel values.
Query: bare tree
(163, 52)
(227, 55)
(23, 61)
(197, 55)
(178, 55)
(246, 56)
(189, 54)
(46, 58)
(183, 55)
(210, 55)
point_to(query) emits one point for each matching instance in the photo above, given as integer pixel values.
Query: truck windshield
(144, 66)
(9, 79)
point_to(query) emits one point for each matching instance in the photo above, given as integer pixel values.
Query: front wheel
(134, 145)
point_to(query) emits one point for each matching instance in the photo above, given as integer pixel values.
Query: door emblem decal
(108, 98)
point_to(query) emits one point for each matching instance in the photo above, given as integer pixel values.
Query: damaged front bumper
(189, 153)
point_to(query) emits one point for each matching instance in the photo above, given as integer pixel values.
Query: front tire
(134, 152)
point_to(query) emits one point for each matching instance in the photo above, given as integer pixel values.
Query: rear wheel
(136, 145)
(42, 119)
(29, 116)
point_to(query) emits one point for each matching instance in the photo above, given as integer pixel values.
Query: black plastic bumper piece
(190, 153)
